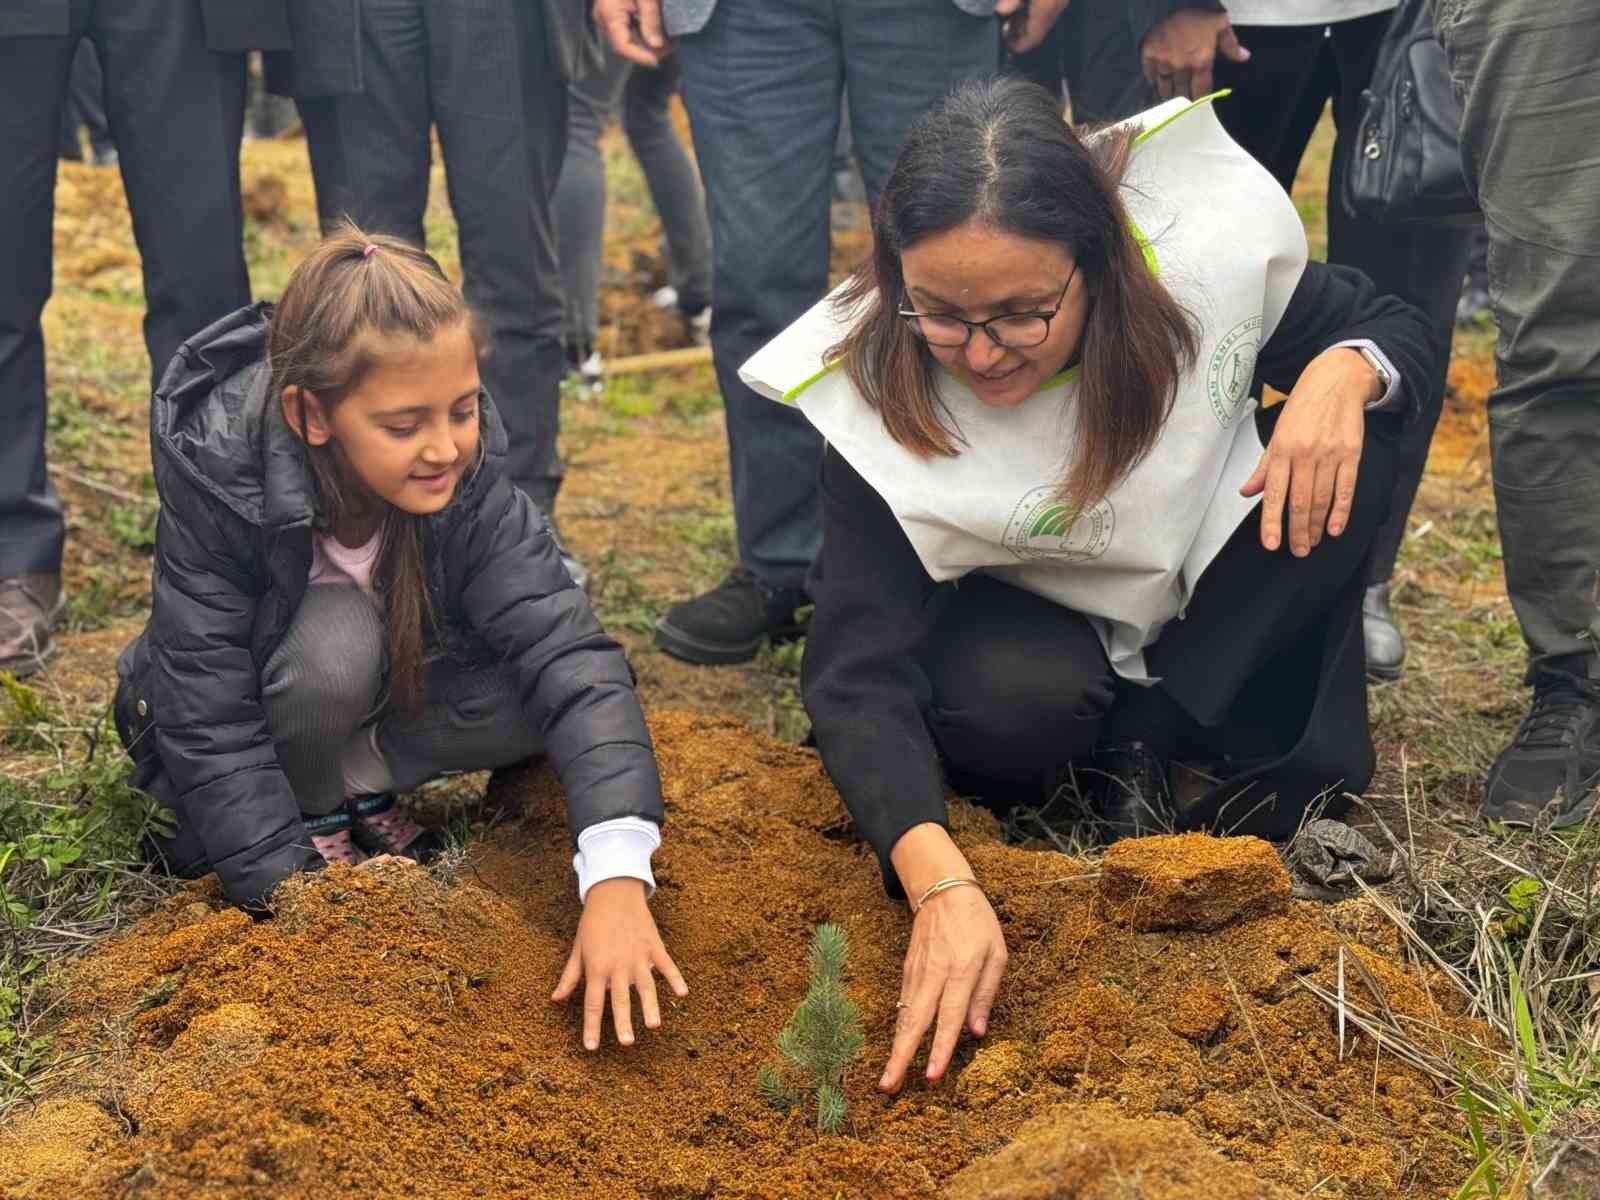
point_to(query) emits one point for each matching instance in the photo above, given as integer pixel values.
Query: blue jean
(762, 82)
(1525, 71)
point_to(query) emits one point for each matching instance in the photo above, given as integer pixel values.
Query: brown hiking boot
(29, 606)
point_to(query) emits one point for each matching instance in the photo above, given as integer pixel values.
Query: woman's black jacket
(232, 559)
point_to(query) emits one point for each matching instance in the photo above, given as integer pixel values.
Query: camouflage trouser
(1525, 71)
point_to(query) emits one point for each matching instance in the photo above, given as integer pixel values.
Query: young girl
(351, 598)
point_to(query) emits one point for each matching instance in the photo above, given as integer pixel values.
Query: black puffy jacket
(232, 560)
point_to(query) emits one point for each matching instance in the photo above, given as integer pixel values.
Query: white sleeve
(619, 848)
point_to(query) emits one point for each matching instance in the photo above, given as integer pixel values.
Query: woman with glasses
(1063, 548)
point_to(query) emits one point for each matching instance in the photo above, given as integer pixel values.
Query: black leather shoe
(1128, 791)
(1386, 645)
(1551, 771)
(730, 622)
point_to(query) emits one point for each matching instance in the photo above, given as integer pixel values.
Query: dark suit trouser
(1278, 96)
(483, 73)
(175, 111)
(86, 107)
(1525, 70)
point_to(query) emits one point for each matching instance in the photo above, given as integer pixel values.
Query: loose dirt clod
(388, 1034)
(1094, 1153)
(1192, 881)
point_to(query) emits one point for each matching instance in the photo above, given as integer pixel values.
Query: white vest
(1230, 248)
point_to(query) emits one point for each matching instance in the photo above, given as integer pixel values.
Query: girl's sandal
(330, 834)
(382, 828)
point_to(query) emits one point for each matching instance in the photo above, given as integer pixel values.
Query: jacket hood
(213, 420)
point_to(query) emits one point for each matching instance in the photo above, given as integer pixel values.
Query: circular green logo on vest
(1042, 527)
(1233, 365)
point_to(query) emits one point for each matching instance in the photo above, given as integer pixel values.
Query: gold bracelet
(943, 885)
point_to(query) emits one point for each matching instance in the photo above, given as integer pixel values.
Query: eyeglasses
(1015, 331)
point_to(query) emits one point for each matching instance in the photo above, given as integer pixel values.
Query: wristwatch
(1380, 368)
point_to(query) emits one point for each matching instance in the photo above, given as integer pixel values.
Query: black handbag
(1405, 163)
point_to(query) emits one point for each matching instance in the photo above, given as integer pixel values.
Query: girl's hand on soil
(617, 948)
(379, 860)
(1315, 452)
(954, 963)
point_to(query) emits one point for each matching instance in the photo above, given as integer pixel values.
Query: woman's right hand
(954, 963)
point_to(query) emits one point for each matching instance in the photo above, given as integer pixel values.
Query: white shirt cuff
(1391, 394)
(619, 848)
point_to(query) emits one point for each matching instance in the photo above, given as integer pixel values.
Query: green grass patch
(70, 867)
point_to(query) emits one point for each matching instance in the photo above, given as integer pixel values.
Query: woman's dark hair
(999, 153)
(352, 287)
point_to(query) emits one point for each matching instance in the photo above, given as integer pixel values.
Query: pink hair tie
(368, 250)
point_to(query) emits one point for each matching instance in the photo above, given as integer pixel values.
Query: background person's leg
(33, 87)
(900, 58)
(370, 151)
(761, 82)
(1105, 81)
(87, 103)
(501, 106)
(579, 206)
(1530, 117)
(1272, 92)
(177, 114)
(1421, 264)
(673, 182)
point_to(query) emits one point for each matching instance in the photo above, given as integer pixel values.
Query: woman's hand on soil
(952, 973)
(1315, 452)
(617, 949)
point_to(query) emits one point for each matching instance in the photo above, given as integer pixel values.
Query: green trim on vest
(1149, 251)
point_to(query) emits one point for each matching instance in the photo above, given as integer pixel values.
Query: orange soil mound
(392, 1035)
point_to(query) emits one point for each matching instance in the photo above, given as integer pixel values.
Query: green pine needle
(823, 1037)
(832, 1108)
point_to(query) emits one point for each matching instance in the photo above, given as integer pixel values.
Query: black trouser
(86, 107)
(1091, 50)
(1021, 686)
(1278, 97)
(176, 112)
(484, 74)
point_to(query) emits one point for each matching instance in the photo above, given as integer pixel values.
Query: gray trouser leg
(1525, 70)
(320, 687)
(472, 720)
(670, 175)
(580, 198)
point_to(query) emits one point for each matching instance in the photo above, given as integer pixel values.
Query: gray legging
(323, 694)
(580, 200)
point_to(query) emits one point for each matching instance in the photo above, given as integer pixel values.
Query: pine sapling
(821, 1040)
